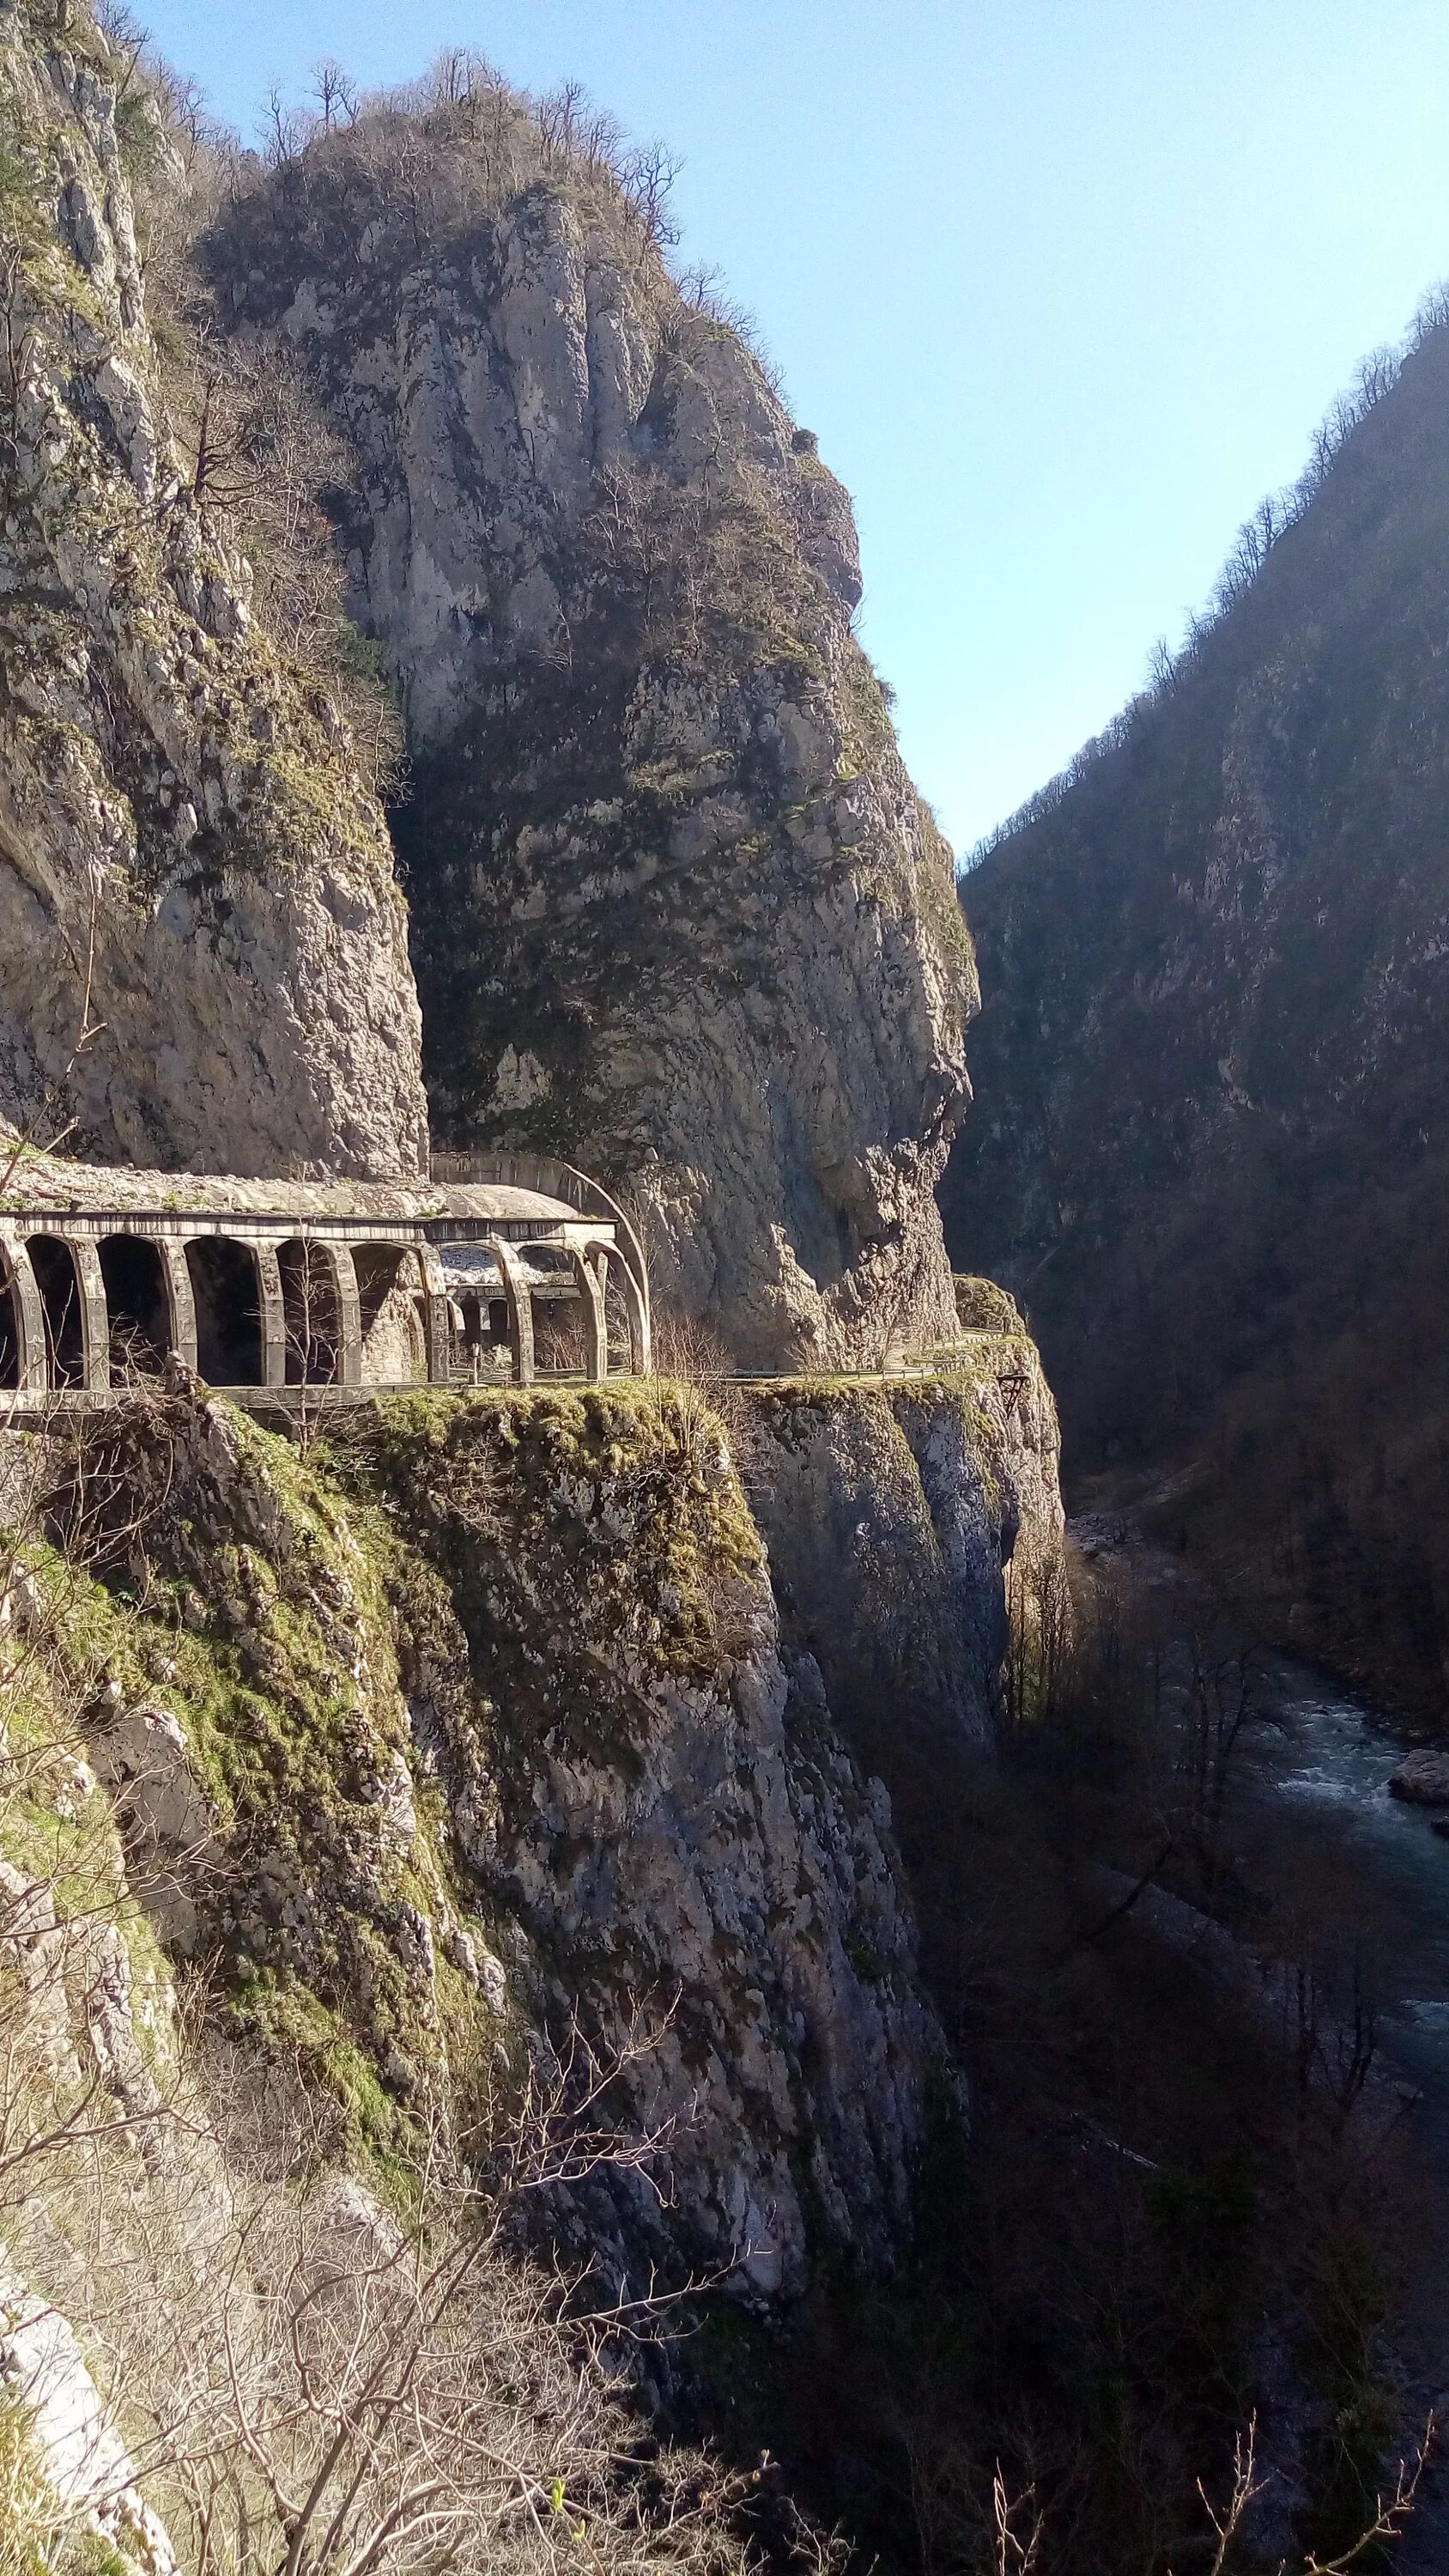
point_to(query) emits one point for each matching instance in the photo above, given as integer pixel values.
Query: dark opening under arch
(230, 1350)
(60, 1295)
(313, 1317)
(138, 1308)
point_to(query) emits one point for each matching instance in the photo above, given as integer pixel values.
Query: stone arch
(13, 1372)
(620, 1278)
(313, 1316)
(138, 1305)
(27, 1316)
(227, 1295)
(596, 1326)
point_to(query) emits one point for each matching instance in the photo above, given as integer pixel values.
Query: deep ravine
(1310, 1802)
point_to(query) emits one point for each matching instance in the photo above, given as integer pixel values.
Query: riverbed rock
(1422, 1777)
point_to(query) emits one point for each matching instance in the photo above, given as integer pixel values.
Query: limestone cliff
(677, 910)
(202, 949)
(909, 1528)
(489, 1749)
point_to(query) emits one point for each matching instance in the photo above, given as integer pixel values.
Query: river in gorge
(1310, 1793)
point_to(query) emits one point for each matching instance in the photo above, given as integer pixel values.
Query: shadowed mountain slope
(1211, 1142)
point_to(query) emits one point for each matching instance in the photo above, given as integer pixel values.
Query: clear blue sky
(1062, 285)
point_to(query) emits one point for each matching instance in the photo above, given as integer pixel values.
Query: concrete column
(520, 1308)
(94, 1314)
(349, 1313)
(180, 1299)
(29, 1314)
(596, 1326)
(274, 1313)
(636, 1307)
(437, 1317)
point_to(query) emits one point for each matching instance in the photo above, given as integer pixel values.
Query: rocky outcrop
(1422, 1778)
(486, 1760)
(908, 1527)
(697, 1878)
(202, 949)
(677, 910)
(70, 2481)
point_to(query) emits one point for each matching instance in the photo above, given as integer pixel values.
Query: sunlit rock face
(677, 909)
(202, 947)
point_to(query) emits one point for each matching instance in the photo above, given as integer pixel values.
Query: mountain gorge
(582, 1976)
(1209, 1145)
(446, 1861)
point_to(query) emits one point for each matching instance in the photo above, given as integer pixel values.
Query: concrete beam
(273, 1311)
(95, 1314)
(520, 1309)
(180, 1300)
(437, 1317)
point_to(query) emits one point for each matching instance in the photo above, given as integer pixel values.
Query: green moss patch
(595, 1543)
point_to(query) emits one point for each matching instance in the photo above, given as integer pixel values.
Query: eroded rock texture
(677, 910)
(660, 1806)
(202, 949)
(908, 1530)
(512, 1774)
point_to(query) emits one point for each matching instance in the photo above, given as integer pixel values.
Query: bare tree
(335, 93)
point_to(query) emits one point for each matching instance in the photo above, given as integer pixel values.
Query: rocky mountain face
(1212, 1129)
(889, 1516)
(517, 1770)
(502, 1777)
(202, 947)
(676, 909)
(470, 1769)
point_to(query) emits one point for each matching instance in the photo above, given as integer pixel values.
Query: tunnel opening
(58, 1281)
(138, 1306)
(230, 1347)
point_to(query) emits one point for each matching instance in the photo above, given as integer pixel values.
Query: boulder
(1423, 1778)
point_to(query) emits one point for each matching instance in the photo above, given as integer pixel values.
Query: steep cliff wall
(487, 1758)
(677, 909)
(262, 2179)
(906, 1526)
(1211, 1138)
(202, 949)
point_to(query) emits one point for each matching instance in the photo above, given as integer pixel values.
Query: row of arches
(87, 1313)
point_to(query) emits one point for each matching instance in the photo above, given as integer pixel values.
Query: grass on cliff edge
(582, 1530)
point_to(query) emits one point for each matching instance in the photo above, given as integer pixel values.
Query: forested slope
(1210, 1142)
